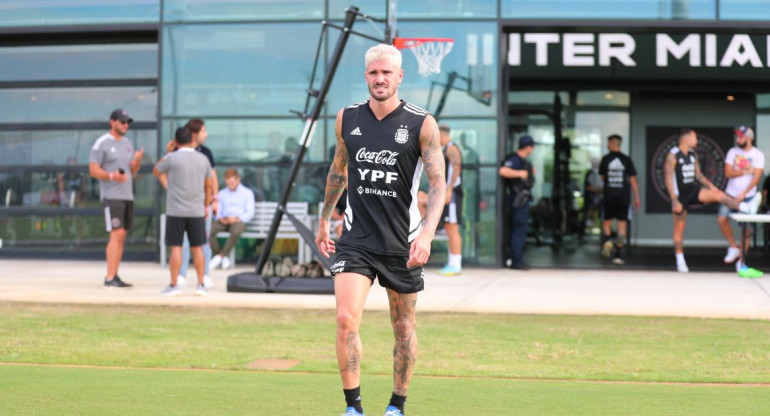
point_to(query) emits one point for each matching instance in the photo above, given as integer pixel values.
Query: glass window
(443, 8)
(237, 69)
(744, 10)
(64, 146)
(79, 104)
(71, 12)
(374, 8)
(603, 98)
(73, 62)
(192, 10)
(473, 58)
(609, 9)
(477, 140)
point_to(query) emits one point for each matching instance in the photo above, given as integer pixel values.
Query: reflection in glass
(61, 147)
(71, 62)
(608, 9)
(237, 69)
(744, 10)
(192, 10)
(71, 12)
(83, 104)
(443, 8)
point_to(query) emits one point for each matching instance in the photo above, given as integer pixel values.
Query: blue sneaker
(351, 411)
(393, 411)
(450, 271)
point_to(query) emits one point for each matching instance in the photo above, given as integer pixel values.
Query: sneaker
(732, 254)
(172, 291)
(747, 272)
(751, 206)
(450, 271)
(682, 267)
(226, 263)
(181, 281)
(201, 291)
(116, 282)
(216, 260)
(207, 282)
(393, 411)
(607, 249)
(351, 411)
(618, 260)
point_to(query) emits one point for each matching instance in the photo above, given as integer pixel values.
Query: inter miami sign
(638, 55)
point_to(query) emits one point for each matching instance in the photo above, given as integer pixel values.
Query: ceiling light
(730, 98)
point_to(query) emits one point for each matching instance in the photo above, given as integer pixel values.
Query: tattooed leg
(403, 319)
(350, 290)
(679, 222)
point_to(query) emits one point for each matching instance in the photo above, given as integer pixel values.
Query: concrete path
(542, 291)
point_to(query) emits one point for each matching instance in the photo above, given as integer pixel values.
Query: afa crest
(402, 135)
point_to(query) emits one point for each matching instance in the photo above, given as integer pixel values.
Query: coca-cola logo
(383, 157)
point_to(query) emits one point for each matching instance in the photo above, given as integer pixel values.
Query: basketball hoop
(428, 51)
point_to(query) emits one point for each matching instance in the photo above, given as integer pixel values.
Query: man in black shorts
(451, 218)
(113, 162)
(619, 176)
(382, 146)
(687, 186)
(187, 175)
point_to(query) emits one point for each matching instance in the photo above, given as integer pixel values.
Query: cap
(744, 131)
(121, 115)
(526, 140)
(443, 126)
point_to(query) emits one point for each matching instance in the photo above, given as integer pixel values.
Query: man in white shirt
(236, 208)
(744, 165)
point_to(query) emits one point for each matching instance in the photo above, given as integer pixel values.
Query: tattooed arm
(669, 175)
(699, 176)
(336, 182)
(433, 160)
(455, 159)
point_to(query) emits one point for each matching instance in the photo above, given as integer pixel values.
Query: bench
(259, 226)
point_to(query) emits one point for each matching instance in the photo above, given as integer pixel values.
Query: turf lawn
(120, 360)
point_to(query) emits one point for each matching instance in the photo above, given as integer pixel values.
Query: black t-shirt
(516, 162)
(384, 167)
(617, 168)
(685, 171)
(207, 152)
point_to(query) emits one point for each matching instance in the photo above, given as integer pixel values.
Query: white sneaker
(201, 291)
(226, 263)
(682, 267)
(171, 291)
(207, 282)
(216, 260)
(181, 281)
(751, 206)
(732, 254)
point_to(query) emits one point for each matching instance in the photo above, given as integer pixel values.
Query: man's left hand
(419, 252)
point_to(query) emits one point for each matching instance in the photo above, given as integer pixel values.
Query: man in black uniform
(382, 146)
(618, 172)
(687, 186)
(519, 176)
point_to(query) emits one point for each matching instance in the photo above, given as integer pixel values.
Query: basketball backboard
(481, 70)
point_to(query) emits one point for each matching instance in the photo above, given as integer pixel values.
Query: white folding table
(743, 220)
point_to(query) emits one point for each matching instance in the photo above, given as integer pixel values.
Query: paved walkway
(542, 291)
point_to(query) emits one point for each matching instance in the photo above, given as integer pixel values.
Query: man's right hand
(676, 207)
(170, 146)
(323, 239)
(119, 177)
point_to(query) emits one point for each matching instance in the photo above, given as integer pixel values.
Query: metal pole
(307, 135)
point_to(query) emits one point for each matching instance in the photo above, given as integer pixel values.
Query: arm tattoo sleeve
(433, 159)
(337, 180)
(668, 171)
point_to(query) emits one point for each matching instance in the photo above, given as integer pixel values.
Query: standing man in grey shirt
(113, 162)
(186, 175)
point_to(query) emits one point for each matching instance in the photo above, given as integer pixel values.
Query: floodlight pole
(307, 134)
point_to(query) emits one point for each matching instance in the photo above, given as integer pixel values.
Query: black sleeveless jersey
(384, 167)
(685, 171)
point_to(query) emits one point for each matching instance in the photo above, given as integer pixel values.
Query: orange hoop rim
(406, 43)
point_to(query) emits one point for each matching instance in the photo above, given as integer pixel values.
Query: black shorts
(118, 214)
(391, 271)
(177, 226)
(616, 209)
(453, 211)
(690, 196)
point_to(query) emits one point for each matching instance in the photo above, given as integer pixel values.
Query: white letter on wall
(578, 49)
(514, 49)
(734, 54)
(541, 41)
(666, 45)
(616, 45)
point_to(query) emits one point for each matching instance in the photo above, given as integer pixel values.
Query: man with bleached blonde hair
(383, 144)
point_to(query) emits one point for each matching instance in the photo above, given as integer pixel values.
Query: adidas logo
(356, 132)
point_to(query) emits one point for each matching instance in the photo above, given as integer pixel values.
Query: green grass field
(101, 360)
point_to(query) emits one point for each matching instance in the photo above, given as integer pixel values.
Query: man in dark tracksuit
(518, 175)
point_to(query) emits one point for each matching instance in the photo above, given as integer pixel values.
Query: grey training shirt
(187, 171)
(112, 154)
